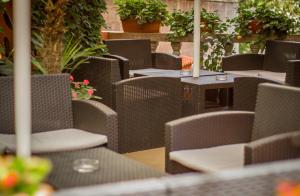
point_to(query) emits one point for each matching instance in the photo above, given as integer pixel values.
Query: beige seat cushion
(211, 159)
(275, 76)
(58, 140)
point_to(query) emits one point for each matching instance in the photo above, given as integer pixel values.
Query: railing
(176, 46)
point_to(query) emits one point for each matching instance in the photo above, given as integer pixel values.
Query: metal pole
(196, 66)
(22, 75)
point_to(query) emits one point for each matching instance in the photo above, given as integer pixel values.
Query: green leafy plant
(73, 55)
(82, 90)
(267, 19)
(212, 32)
(22, 175)
(143, 11)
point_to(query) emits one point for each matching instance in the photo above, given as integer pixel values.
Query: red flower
(86, 82)
(90, 92)
(71, 78)
(10, 180)
(74, 94)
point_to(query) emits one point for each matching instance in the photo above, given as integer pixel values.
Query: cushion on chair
(275, 76)
(211, 159)
(58, 140)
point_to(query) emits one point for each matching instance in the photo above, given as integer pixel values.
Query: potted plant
(265, 19)
(142, 16)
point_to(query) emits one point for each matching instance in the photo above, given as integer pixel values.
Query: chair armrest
(166, 61)
(210, 129)
(97, 118)
(293, 73)
(243, 62)
(273, 148)
(123, 63)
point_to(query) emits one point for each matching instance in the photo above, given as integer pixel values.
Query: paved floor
(154, 157)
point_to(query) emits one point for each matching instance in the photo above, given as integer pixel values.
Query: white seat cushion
(58, 140)
(270, 75)
(211, 159)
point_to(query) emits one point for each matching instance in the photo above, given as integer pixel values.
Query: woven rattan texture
(277, 110)
(293, 73)
(245, 92)
(98, 118)
(138, 52)
(102, 73)
(274, 148)
(144, 105)
(112, 168)
(51, 103)
(278, 53)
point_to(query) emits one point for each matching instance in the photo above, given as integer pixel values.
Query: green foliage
(144, 11)
(182, 23)
(83, 20)
(22, 175)
(272, 18)
(73, 55)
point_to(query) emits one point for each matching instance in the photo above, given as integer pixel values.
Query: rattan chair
(215, 141)
(245, 88)
(102, 73)
(275, 59)
(144, 105)
(58, 123)
(139, 55)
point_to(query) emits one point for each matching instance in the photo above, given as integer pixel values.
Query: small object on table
(86, 165)
(221, 77)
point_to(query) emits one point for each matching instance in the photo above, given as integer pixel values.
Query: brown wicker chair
(138, 53)
(102, 73)
(57, 122)
(245, 88)
(275, 59)
(277, 111)
(144, 105)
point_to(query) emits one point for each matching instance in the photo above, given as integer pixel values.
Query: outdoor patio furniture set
(145, 112)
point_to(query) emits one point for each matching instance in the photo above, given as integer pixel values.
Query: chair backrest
(278, 53)
(102, 73)
(144, 105)
(137, 51)
(277, 110)
(51, 103)
(293, 73)
(245, 92)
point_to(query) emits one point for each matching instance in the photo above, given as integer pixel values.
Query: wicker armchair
(102, 73)
(144, 105)
(139, 55)
(58, 123)
(245, 88)
(216, 141)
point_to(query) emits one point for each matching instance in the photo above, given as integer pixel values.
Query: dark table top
(113, 167)
(170, 73)
(211, 81)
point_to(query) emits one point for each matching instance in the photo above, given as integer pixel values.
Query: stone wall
(225, 8)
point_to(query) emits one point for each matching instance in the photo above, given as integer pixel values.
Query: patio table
(113, 167)
(169, 73)
(194, 100)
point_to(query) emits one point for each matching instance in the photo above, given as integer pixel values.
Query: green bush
(143, 11)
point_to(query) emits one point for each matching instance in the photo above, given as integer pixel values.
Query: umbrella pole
(22, 75)
(196, 66)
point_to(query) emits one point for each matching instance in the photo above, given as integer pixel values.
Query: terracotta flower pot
(255, 26)
(131, 25)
